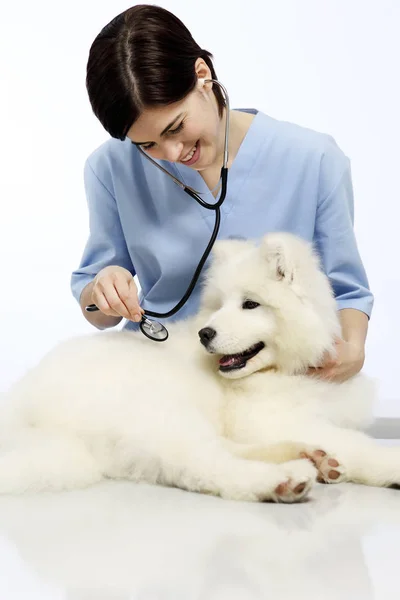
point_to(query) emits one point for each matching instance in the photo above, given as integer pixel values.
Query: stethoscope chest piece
(153, 330)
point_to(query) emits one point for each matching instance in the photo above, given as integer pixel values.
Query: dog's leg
(205, 465)
(282, 452)
(360, 459)
(366, 462)
(277, 453)
(35, 460)
(219, 472)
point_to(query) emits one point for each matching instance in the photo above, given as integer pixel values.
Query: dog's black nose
(206, 335)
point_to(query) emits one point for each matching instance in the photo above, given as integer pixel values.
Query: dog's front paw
(329, 468)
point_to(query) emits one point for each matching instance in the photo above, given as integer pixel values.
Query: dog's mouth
(237, 361)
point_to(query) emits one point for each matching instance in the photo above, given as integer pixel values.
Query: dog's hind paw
(301, 476)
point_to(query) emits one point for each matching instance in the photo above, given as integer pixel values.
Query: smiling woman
(155, 91)
(197, 123)
(144, 47)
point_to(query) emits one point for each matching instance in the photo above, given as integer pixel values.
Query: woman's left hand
(348, 361)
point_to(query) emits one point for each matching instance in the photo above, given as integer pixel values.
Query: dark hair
(144, 57)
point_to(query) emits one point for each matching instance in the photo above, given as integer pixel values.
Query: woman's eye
(173, 131)
(149, 147)
(250, 304)
(179, 128)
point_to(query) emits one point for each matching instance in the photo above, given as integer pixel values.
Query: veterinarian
(147, 84)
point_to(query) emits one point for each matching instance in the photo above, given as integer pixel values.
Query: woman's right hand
(115, 293)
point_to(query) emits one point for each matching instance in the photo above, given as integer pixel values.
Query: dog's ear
(279, 252)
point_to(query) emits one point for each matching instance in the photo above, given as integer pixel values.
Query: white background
(332, 65)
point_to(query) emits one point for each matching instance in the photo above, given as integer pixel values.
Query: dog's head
(267, 306)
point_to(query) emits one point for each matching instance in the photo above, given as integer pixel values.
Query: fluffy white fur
(117, 405)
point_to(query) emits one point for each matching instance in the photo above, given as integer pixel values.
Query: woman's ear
(203, 73)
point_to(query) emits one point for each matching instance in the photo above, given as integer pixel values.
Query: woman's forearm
(354, 326)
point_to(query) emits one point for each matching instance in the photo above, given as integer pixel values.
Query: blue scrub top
(283, 178)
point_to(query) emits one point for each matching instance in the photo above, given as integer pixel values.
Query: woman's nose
(171, 150)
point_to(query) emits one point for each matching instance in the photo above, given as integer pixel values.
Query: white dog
(231, 416)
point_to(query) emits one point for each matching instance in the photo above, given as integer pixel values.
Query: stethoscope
(153, 329)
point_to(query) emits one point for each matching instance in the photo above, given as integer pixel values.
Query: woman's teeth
(190, 155)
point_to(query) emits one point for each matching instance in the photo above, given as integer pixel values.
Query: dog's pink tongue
(227, 361)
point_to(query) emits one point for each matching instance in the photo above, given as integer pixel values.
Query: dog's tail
(34, 460)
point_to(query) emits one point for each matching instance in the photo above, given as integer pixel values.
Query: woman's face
(189, 132)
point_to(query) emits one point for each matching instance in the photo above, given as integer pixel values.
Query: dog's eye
(250, 304)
